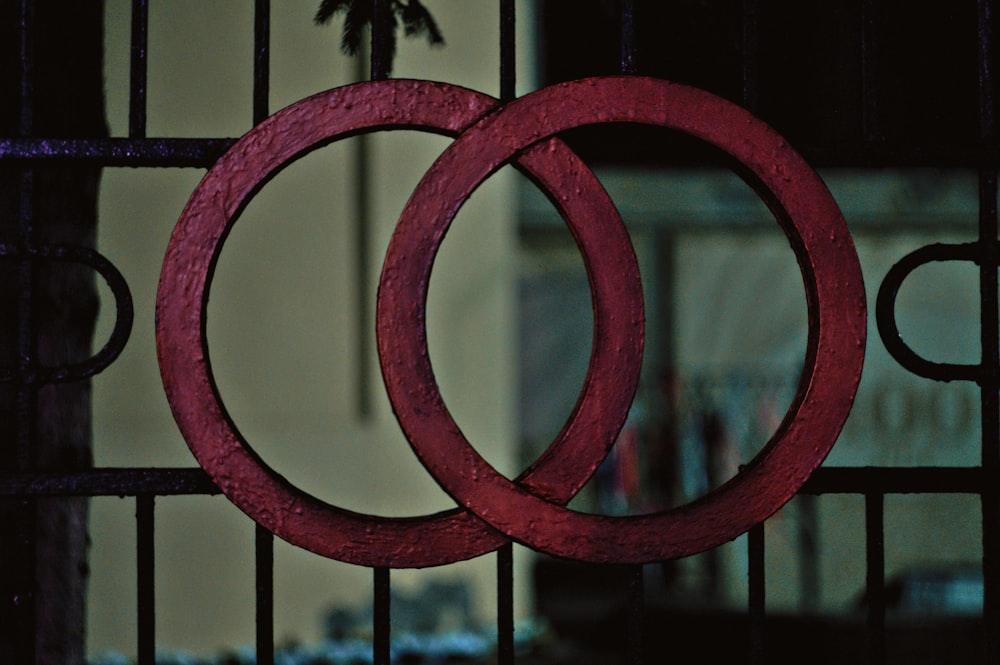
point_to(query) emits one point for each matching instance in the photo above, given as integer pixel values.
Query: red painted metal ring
(836, 307)
(197, 239)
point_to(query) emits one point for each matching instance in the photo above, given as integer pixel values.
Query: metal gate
(871, 131)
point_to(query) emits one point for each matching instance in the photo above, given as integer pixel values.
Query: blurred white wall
(739, 329)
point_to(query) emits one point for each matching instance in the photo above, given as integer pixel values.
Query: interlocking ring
(182, 350)
(834, 294)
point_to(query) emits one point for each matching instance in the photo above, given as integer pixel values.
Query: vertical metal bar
(989, 340)
(362, 257)
(505, 555)
(636, 592)
(869, 71)
(629, 50)
(21, 598)
(26, 418)
(508, 48)
(261, 59)
(875, 581)
(382, 40)
(990, 404)
(808, 553)
(505, 605)
(381, 618)
(636, 615)
(26, 17)
(145, 584)
(265, 595)
(26, 338)
(362, 251)
(26, 325)
(756, 593)
(137, 84)
(987, 127)
(751, 57)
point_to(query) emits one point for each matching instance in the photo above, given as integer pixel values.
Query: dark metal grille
(868, 148)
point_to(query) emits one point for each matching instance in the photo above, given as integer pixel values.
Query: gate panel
(860, 111)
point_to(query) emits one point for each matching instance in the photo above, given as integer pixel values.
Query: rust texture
(182, 351)
(531, 508)
(836, 308)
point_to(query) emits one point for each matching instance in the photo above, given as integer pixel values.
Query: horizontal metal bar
(880, 155)
(164, 152)
(108, 482)
(902, 480)
(167, 481)
(197, 152)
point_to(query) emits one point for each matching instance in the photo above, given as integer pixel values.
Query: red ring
(182, 351)
(835, 297)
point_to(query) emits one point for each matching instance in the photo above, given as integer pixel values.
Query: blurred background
(509, 327)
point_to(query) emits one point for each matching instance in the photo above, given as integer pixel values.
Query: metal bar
(17, 605)
(264, 544)
(159, 152)
(751, 55)
(505, 605)
(505, 555)
(508, 50)
(382, 40)
(989, 383)
(27, 342)
(108, 482)
(629, 43)
(984, 18)
(636, 616)
(203, 152)
(990, 404)
(808, 537)
(875, 584)
(363, 268)
(167, 481)
(896, 480)
(756, 593)
(26, 333)
(146, 590)
(137, 81)
(261, 59)
(26, 18)
(21, 599)
(381, 619)
(870, 128)
(991, 569)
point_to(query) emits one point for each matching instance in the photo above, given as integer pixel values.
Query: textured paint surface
(529, 509)
(834, 293)
(243, 477)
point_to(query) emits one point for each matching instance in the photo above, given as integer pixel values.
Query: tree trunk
(43, 546)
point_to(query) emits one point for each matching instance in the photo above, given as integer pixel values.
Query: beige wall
(282, 323)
